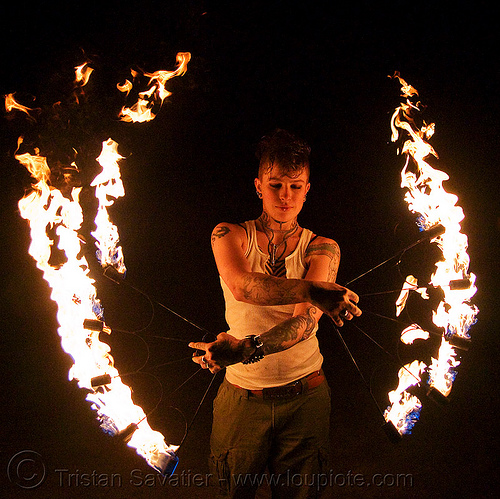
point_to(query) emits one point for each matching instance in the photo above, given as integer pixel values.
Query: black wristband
(258, 354)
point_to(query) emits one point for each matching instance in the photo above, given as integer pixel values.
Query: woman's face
(282, 196)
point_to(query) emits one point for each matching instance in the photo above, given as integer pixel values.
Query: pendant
(273, 254)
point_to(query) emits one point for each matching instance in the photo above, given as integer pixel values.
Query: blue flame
(410, 420)
(406, 424)
(97, 308)
(107, 424)
(421, 223)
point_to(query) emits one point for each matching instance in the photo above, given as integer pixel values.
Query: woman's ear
(258, 187)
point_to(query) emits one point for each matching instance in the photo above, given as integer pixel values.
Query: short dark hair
(285, 150)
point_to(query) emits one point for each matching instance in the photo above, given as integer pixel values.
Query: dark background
(319, 70)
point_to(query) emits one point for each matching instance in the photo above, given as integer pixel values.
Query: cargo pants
(287, 438)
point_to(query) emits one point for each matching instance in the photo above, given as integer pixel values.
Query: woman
(273, 407)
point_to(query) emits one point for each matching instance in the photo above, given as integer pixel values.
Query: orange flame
(412, 333)
(108, 187)
(126, 87)
(45, 207)
(142, 110)
(405, 408)
(82, 73)
(410, 284)
(54, 216)
(426, 196)
(11, 104)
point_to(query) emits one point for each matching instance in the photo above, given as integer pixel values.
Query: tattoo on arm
(224, 351)
(330, 250)
(333, 268)
(219, 232)
(262, 289)
(290, 332)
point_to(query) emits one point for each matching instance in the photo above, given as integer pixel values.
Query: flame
(82, 73)
(412, 333)
(410, 284)
(427, 197)
(46, 208)
(11, 103)
(142, 110)
(442, 370)
(125, 87)
(108, 187)
(55, 219)
(404, 410)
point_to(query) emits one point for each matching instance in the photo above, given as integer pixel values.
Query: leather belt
(290, 390)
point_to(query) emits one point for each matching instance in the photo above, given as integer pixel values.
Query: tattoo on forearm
(289, 332)
(224, 351)
(219, 232)
(263, 289)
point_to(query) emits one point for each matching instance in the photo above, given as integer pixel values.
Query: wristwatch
(257, 343)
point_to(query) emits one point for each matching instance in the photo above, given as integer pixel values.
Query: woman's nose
(285, 193)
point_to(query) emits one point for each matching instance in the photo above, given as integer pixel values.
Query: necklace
(272, 247)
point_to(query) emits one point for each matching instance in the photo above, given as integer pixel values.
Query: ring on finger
(204, 361)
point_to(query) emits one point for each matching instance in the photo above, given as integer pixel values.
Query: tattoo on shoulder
(219, 231)
(332, 251)
(329, 249)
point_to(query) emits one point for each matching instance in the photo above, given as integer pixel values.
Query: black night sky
(315, 69)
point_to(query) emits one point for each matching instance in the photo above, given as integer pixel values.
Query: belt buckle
(283, 392)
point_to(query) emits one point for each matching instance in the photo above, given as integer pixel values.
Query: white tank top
(243, 319)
